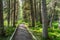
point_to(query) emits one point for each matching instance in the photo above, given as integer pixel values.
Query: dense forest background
(42, 17)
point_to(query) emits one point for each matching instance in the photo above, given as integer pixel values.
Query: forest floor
(54, 34)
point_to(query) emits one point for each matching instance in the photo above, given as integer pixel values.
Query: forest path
(22, 33)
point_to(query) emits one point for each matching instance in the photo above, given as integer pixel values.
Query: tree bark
(32, 14)
(9, 13)
(14, 13)
(44, 18)
(1, 18)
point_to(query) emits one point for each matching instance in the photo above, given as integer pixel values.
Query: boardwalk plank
(22, 33)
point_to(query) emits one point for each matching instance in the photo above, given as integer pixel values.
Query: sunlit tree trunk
(11, 12)
(53, 13)
(59, 21)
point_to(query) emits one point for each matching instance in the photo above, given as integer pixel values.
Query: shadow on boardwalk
(22, 33)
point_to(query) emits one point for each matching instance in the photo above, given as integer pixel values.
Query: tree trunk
(44, 19)
(9, 13)
(35, 12)
(1, 18)
(32, 14)
(40, 11)
(59, 21)
(14, 13)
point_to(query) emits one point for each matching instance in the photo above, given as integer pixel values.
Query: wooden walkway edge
(22, 33)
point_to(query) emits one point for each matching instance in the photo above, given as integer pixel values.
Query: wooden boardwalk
(22, 33)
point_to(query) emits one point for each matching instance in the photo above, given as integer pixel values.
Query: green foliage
(5, 23)
(54, 32)
(37, 32)
(38, 24)
(4, 38)
(19, 22)
(9, 31)
(55, 24)
(48, 1)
